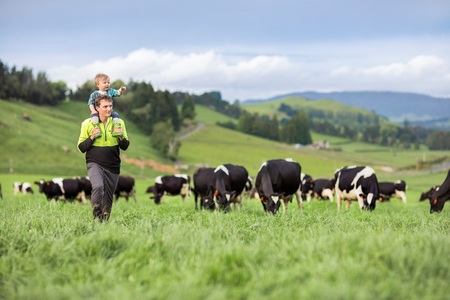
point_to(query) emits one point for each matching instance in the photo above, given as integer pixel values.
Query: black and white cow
(323, 189)
(22, 188)
(429, 194)
(62, 189)
(125, 188)
(277, 181)
(204, 188)
(307, 186)
(1, 193)
(86, 185)
(356, 183)
(230, 182)
(388, 190)
(441, 195)
(172, 185)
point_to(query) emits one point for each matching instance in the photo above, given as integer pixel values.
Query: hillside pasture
(171, 251)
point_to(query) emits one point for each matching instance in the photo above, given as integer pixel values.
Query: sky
(246, 49)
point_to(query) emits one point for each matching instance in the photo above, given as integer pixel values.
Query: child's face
(103, 85)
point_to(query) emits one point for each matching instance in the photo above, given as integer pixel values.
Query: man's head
(104, 105)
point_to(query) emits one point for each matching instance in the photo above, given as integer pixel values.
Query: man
(102, 156)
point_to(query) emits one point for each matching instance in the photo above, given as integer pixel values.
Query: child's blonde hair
(99, 77)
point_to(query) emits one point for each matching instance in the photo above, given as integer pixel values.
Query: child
(103, 83)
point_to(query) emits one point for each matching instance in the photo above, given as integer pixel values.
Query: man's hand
(94, 133)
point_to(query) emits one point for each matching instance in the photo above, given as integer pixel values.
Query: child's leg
(95, 121)
(117, 130)
(115, 117)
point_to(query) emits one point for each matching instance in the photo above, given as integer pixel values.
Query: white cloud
(418, 66)
(262, 76)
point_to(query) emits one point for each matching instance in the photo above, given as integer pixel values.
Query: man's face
(105, 108)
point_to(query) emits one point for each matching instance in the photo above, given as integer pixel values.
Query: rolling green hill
(46, 145)
(329, 107)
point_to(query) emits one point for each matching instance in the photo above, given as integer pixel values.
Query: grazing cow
(204, 188)
(125, 188)
(234, 180)
(171, 185)
(62, 189)
(323, 189)
(1, 194)
(22, 187)
(86, 185)
(429, 194)
(392, 189)
(277, 181)
(356, 183)
(307, 186)
(441, 195)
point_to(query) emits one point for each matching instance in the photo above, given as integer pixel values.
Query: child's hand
(122, 88)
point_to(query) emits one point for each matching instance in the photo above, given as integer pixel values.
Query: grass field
(170, 251)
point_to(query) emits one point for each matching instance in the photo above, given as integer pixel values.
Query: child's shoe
(98, 134)
(115, 132)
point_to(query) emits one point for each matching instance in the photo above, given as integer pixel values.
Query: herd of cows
(275, 185)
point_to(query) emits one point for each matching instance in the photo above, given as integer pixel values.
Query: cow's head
(158, 192)
(40, 184)
(428, 194)
(436, 204)
(223, 199)
(369, 201)
(207, 201)
(272, 203)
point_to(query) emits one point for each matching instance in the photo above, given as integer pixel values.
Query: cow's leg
(347, 204)
(133, 193)
(195, 200)
(361, 202)
(327, 194)
(338, 200)
(299, 201)
(284, 202)
(308, 197)
(239, 202)
(81, 197)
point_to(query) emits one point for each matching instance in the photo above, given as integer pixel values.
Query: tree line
(156, 113)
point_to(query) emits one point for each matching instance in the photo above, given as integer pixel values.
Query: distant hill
(418, 109)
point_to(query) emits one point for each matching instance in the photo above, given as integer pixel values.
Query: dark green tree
(188, 108)
(300, 125)
(164, 141)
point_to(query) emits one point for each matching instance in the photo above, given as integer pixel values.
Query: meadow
(172, 251)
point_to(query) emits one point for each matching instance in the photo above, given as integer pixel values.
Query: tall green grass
(170, 251)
